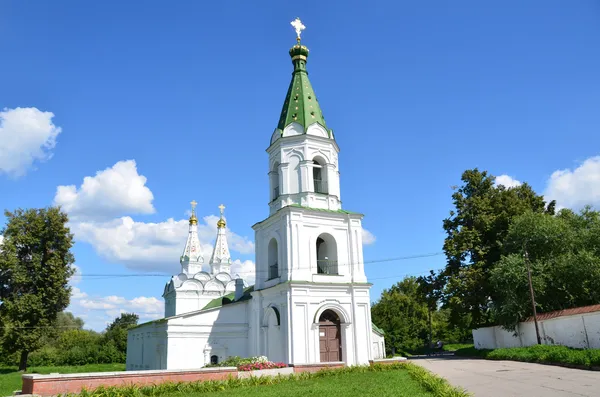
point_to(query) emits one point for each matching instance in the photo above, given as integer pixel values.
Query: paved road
(487, 378)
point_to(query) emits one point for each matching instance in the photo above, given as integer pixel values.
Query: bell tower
(303, 167)
(309, 257)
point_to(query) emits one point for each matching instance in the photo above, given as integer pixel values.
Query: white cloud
(245, 270)
(26, 135)
(507, 181)
(98, 312)
(368, 237)
(576, 188)
(76, 277)
(1, 238)
(152, 246)
(115, 191)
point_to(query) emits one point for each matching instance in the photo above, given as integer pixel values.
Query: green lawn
(381, 384)
(10, 378)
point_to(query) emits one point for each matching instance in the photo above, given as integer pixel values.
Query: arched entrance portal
(330, 341)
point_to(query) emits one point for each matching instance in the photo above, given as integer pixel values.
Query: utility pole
(537, 330)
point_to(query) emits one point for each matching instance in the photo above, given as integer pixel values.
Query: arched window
(327, 258)
(273, 260)
(214, 359)
(319, 176)
(274, 177)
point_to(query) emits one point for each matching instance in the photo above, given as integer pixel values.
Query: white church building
(311, 300)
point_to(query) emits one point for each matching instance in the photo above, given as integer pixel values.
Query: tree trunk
(23, 361)
(430, 330)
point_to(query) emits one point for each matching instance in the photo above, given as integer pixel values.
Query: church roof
(301, 105)
(377, 329)
(229, 298)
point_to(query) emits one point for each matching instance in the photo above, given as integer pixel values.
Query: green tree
(116, 332)
(35, 266)
(402, 314)
(430, 292)
(564, 256)
(67, 321)
(476, 230)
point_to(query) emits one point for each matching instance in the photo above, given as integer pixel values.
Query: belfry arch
(319, 172)
(327, 255)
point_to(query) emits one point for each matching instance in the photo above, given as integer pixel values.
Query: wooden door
(330, 342)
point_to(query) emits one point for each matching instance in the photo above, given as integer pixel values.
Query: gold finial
(221, 222)
(299, 27)
(193, 219)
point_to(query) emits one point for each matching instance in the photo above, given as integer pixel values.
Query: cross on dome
(221, 222)
(193, 219)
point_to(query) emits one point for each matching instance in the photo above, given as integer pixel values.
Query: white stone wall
(578, 331)
(378, 343)
(192, 339)
(296, 231)
(147, 347)
(291, 169)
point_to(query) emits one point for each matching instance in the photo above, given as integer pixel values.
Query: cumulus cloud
(76, 277)
(244, 269)
(115, 191)
(27, 135)
(507, 181)
(576, 188)
(368, 237)
(152, 246)
(99, 311)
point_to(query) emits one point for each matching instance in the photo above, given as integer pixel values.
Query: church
(310, 302)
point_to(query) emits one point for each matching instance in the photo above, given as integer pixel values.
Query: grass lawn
(385, 383)
(10, 378)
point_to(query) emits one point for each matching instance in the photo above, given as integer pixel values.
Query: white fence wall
(579, 331)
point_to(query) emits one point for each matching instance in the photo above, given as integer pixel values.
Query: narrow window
(273, 254)
(319, 176)
(214, 359)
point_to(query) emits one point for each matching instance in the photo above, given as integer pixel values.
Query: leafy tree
(116, 332)
(430, 293)
(476, 230)
(402, 315)
(564, 256)
(67, 321)
(35, 266)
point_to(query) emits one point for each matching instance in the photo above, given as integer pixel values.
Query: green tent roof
(301, 105)
(229, 298)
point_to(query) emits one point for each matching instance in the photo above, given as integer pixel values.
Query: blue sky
(177, 101)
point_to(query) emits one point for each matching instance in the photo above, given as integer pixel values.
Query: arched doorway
(330, 340)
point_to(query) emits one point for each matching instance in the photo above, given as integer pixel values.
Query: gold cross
(222, 208)
(193, 203)
(298, 27)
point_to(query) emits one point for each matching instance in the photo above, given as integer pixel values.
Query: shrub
(261, 365)
(538, 354)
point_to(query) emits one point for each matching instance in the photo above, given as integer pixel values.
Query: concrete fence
(573, 329)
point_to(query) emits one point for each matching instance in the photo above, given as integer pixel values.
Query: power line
(393, 259)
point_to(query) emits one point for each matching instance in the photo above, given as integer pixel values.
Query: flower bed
(261, 365)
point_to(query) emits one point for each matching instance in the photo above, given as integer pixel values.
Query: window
(214, 359)
(327, 262)
(274, 177)
(319, 176)
(272, 261)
